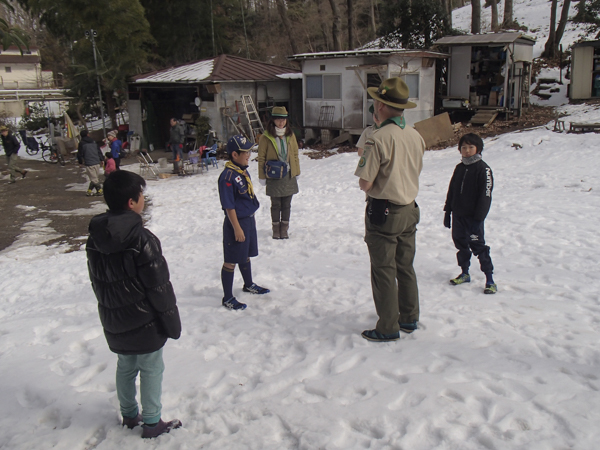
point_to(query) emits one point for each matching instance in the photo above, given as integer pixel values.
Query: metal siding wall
(581, 74)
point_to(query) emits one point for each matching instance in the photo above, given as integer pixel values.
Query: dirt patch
(536, 116)
(52, 198)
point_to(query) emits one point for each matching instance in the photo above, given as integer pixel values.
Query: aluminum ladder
(255, 125)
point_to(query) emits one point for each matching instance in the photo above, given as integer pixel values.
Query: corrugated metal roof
(223, 68)
(491, 38)
(368, 52)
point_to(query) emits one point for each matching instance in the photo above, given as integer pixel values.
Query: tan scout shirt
(392, 161)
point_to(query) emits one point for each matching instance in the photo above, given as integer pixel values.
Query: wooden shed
(488, 71)
(585, 70)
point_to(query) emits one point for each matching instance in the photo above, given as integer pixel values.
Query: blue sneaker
(376, 336)
(255, 289)
(462, 278)
(408, 327)
(233, 304)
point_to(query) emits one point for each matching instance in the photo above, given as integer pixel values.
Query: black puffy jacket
(470, 191)
(130, 278)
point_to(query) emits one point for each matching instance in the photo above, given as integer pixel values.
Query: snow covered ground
(517, 370)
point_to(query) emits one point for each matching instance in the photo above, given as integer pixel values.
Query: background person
(278, 143)
(90, 156)
(11, 147)
(176, 141)
(389, 172)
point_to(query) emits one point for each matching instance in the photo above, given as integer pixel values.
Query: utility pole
(91, 34)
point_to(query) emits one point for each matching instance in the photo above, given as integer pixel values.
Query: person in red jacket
(467, 205)
(136, 301)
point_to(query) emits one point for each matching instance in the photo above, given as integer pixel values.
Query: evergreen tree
(413, 24)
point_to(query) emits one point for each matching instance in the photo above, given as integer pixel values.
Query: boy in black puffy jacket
(136, 301)
(467, 205)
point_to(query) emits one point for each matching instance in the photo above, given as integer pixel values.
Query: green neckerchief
(398, 120)
(231, 165)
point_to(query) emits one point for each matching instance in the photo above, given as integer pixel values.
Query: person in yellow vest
(278, 145)
(389, 170)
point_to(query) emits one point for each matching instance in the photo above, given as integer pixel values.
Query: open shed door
(459, 81)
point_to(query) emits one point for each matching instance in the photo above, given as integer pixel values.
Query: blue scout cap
(238, 144)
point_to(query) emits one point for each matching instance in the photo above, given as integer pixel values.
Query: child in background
(109, 164)
(467, 205)
(239, 203)
(136, 302)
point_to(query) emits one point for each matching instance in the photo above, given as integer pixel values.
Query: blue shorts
(238, 252)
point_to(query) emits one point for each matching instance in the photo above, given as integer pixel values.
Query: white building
(335, 85)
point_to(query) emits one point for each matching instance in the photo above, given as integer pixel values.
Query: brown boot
(283, 231)
(276, 232)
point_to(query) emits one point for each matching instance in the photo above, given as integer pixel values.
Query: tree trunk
(286, 24)
(494, 6)
(562, 23)
(475, 16)
(372, 19)
(324, 30)
(336, 26)
(550, 43)
(508, 22)
(350, 25)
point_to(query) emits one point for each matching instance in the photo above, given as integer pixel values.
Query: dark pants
(468, 242)
(280, 208)
(392, 249)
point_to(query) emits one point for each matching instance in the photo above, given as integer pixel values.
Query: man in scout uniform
(389, 174)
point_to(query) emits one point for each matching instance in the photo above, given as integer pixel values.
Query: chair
(209, 157)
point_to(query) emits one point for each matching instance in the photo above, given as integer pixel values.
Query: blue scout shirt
(233, 192)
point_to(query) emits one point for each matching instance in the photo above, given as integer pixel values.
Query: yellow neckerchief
(231, 165)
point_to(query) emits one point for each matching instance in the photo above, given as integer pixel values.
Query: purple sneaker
(132, 422)
(160, 428)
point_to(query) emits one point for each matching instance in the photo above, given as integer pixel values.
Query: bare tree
(350, 25)
(475, 16)
(336, 26)
(508, 21)
(287, 24)
(556, 33)
(494, 6)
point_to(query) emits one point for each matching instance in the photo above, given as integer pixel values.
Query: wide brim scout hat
(239, 143)
(393, 92)
(279, 111)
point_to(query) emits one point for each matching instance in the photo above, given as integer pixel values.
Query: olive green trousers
(392, 249)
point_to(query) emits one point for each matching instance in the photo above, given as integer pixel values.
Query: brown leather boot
(283, 231)
(276, 232)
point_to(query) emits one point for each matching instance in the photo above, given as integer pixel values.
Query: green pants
(393, 280)
(12, 166)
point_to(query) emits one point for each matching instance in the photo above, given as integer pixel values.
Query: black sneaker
(160, 428)
(233, 304)
(376, 336)
(408, 327)
(255, 289)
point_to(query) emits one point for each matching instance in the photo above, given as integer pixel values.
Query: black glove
(447, 220)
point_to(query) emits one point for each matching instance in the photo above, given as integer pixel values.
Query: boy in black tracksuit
(468, 202)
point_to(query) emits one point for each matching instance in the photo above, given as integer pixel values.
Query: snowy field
(517, 370)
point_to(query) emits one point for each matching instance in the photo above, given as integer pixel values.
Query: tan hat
(279, 111)
(393, 92)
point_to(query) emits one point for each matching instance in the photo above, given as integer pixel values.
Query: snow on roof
(223, 68)
(190, 72)
(367, 52)
(489, 38)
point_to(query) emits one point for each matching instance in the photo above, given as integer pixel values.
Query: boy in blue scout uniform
(239, 203)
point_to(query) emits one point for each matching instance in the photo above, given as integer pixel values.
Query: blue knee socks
(227, 281)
